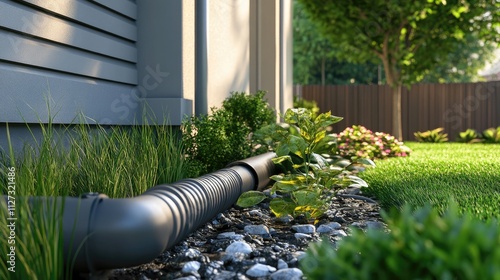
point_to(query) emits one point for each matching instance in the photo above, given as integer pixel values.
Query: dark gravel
(271, 247)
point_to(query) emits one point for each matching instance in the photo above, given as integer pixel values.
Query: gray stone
(226, 275)
(258, 213)
(230, 235)
(226, 235)
(374, 225)
(339, 232)
(260, 270)
(299, 255)
(285, 219)
(192, 253)
(302, 235)
(239, 247)
(192, 266)
(257, 230)
(234, 257)
(358, 225)
(282, 264)
(187, 278)
(287, 274)
(304, 228)
(328, 228)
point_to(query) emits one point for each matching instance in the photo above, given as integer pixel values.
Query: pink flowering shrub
(359, 142)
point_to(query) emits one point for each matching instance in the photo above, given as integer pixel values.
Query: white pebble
(191, 266)
(304, 228)
(327, 228)
(239, 247)
(339, 232)
(302, 235)
(282, 264)
(287, 274)
(260, 270)
(256, 229)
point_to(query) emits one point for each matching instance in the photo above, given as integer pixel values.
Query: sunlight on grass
(470, 173)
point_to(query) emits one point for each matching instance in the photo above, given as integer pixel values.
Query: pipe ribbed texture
(102, 233)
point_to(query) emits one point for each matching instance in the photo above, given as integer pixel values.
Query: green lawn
(434, 173)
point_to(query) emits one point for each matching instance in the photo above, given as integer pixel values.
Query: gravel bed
(252, 244)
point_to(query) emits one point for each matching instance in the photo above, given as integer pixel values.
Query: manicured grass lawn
(434, 173)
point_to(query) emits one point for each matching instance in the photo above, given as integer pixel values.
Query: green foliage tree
(310, 48)
(315, 59)
(463, 64)
(409, 38)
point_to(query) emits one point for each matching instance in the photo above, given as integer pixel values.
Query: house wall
(271, 61)
(117, 62)
(64, 56)
(228, 49)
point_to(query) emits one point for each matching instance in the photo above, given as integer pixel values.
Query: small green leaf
(282, 150)
(285, 188)
(281, 159)
(306, 197)
(282, 207)
(250, 198)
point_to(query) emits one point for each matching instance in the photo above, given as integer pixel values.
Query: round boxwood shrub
(419, 244)
(214, 140)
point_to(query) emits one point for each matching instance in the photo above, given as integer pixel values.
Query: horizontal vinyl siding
(39, 53)
(93, 14)
(82, 38)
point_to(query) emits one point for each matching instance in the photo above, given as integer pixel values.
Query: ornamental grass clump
(359, 142)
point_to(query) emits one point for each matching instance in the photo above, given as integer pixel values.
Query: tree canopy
(315, 58)
(409, 38)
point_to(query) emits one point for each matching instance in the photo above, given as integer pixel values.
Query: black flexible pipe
(102, 233)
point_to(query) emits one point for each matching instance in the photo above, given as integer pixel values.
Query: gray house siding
(118, 61)
(73, 56)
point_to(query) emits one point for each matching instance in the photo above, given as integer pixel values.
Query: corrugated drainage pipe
(102, 233)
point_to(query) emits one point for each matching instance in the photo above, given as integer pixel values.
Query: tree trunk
(392, 79)
(397, 127)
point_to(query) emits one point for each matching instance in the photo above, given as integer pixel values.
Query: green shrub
(419, 245)
(432, 136)
(359, 142)
(311, 105)
(310, 175)
(469, 136)
(491, 135)
(212, 141)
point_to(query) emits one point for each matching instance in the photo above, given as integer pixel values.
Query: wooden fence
(455, 107)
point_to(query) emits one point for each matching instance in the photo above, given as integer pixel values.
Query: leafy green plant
(308, 104)
(310, 175)
(212, 141)
(420, 244)
(432, 136)
(359, 142)
(491, 135)
(469, 136)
